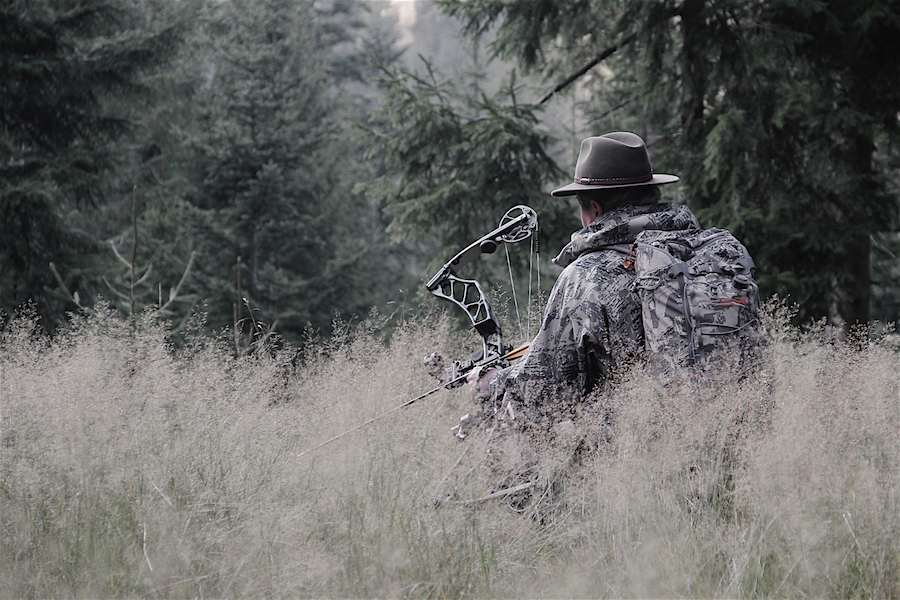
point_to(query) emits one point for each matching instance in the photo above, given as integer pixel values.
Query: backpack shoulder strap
(623, 248)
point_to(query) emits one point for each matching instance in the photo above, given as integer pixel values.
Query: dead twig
(593, 63)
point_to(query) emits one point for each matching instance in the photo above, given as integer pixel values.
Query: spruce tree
(282, 233)
(72, 72)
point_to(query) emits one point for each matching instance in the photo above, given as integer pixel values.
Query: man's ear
(597, 208)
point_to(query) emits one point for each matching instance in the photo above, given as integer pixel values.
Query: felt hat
(614, 160)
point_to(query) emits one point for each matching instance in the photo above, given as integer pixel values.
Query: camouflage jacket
(592, 323)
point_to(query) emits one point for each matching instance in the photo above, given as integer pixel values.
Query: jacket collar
(622, 226)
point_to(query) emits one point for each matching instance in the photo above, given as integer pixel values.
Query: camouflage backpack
(699, 303)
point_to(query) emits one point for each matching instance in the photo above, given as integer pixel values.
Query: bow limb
(512, 229)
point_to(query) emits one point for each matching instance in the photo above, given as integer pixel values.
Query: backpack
(699, 302)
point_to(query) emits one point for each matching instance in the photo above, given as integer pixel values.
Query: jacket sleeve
(588, 328)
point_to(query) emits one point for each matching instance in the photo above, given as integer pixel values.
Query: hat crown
(613, 158)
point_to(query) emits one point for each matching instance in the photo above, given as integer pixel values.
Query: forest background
(219, 170)
(293, 160)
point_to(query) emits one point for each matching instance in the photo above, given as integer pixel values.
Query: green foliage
(237, 123)
(277, 226)
(239, 146)
(72, 74)
(455, 160)
(530, 30)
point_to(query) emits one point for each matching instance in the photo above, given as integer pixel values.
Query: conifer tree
(282, 232)
(71, 75)
(455, 160)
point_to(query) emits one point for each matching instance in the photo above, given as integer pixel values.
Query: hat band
(613, 180)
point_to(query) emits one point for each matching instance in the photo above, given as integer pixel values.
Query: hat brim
(574, 188)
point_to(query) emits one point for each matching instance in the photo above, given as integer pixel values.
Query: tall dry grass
(129, 467)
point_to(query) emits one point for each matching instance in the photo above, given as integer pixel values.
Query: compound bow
(519, 223)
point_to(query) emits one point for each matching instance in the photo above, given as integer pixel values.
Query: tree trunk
(693, 71)
(854, 302)
(854, 305)
(254, 260)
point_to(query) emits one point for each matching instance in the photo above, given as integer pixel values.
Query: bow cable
(534, 248)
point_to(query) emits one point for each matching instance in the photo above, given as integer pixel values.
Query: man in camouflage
(592, 325)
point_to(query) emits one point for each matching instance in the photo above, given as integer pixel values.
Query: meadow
(133, 466)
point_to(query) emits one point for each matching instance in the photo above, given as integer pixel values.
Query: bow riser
(469, 296)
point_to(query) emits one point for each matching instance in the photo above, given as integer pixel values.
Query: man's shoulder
(621, 227)
(667, 216)
(598, 277)
(607, 261)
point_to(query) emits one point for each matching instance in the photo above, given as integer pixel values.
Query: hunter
(592, 325)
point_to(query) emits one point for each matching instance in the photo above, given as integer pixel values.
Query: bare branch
(173, 294)
(609, 51)
(62, 285)
(114, 290)
(121, 258)
(144, 276)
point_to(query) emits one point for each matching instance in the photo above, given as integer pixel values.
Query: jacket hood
(622, 226)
